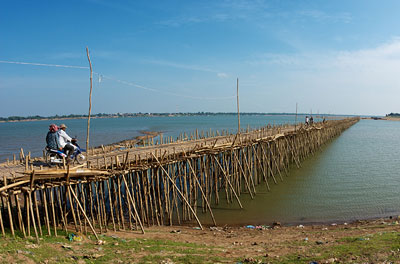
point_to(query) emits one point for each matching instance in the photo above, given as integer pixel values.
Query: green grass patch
(115, 250)
(377, 247)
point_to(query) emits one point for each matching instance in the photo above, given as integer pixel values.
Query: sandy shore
(391, 118)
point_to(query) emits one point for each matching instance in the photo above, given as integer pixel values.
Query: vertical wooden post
(237, 95)
(9, 207)
(295, 122)
(90, 104)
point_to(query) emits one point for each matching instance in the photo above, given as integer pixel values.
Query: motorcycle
(77, 156)
(56, 157)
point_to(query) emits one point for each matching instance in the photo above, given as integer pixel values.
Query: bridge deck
(115, 155)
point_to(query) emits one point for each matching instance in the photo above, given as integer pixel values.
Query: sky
(334, 57)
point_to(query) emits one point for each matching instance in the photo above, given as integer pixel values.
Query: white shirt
(63, 138)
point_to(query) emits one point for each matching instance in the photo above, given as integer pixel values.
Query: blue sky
(165, 56)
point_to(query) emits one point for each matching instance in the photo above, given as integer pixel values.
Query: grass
(376, 246)
(114, 250)
(382, 246)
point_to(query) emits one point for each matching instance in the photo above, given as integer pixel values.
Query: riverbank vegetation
(397, 115)
(392, 117)
(375, 241)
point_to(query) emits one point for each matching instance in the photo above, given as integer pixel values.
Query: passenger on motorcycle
(65, 141)
(52, 138)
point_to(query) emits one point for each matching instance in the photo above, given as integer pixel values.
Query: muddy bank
(281, 244)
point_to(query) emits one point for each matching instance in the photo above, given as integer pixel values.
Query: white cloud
(384, 56)
(186, 67)
(219, 12)
(323, 16)
(222, 75)
(68, 55)
(360, 81)
(82, 55)
(259, 11)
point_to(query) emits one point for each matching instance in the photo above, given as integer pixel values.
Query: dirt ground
(373, 241)
(271, 242)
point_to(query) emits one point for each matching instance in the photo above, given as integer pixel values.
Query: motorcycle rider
(65, 141)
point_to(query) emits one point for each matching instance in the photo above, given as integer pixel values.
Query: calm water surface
(355, 176)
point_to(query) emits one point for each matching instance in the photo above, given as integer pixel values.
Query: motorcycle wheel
(80, 159)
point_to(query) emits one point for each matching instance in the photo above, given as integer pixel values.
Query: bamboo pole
(133, 205)
(182, 196)
(111, 204)
(131, 183)
(9, 206)
(202, 193)
(83, 195)
(90, 104)
(53, 211)
(83, 211)
(120, 203)
(46, 211)
(226, 178)
(98, 206)
(77, 211)
(115, 202)
(295, 122)
(244, 175)
(21, 221)
(2, 225)
(237, 95)
(33, 215)
(37, 213)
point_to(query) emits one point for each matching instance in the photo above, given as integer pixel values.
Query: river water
(355, 176)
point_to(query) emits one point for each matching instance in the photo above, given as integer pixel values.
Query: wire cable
(44, 64)
(102, 76)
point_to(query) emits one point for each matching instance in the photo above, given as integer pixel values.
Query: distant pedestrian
(311, 120)
(307, 121)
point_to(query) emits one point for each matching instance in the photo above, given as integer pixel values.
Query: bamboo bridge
(125, 187)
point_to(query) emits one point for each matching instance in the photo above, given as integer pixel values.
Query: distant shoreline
(387, 118)
(14, 119)
(391, 118)
(44, 119)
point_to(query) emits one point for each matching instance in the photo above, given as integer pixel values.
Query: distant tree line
(393, 115)
(38, 117)
(117, 115)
